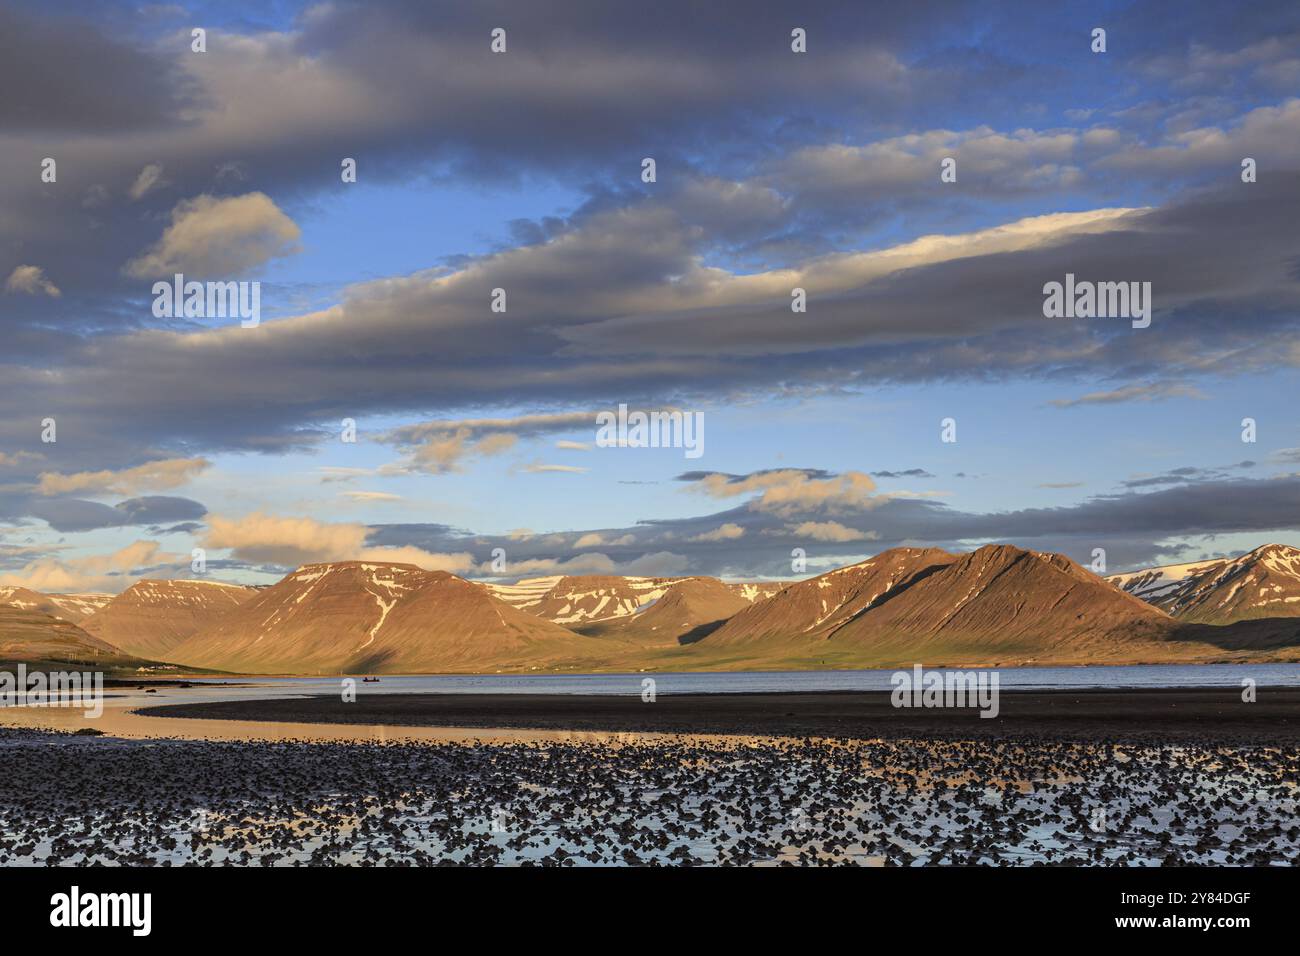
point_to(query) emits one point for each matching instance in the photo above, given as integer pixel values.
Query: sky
(922, 172)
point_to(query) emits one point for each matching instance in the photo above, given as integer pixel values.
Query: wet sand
(1206, 714)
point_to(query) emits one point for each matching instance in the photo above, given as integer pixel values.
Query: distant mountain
(581, 599)
(1264, 583)
(34, 637)
(364, 617)
(68, 607)
(151, 617)
(687, 611)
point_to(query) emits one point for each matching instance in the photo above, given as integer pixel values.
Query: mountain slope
(996, 605)
(149, 618)
(688, 610)
(1004, 600)
(810, 610)
(33, 637)
(355, 617)
(1265, 583)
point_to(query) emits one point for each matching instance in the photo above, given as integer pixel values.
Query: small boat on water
(370, 680)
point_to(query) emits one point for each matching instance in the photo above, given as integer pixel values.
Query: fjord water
(1013, 678)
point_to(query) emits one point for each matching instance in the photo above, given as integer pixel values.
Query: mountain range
(998, 605)
(1264, 583)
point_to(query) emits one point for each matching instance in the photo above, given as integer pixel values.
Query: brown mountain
(149, 618)
(364, 617)
(33, 637)
(1265, 583)
(69, 607)
(996, 605)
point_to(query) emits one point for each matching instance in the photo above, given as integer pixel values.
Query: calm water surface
(1026, 678)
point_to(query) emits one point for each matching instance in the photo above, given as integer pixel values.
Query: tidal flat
(638, 801)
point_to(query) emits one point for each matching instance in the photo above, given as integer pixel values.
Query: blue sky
(521, 171)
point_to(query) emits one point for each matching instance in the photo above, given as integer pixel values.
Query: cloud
(1186, 474)
(368, 496)
(218, 238)
(539, 468)
(108, 572)
(291, 542)
(30, 280)
(596, 539)
(1152, 392)
(890, 170)
(453, 563)
(333, 473)
(284, 541)
(831, 531)
(17, 459)
(909, 473)
(653, 320)
(438, 447)
(149, 177)
(726, 532)
(590, 563)
(78, 514)
(162, 475)
(87, 79)
(788, 491)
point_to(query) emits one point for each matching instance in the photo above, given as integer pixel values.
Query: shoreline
(1212, 713)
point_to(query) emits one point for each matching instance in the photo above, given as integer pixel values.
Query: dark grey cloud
(159, 509)
(1221, 265)
(185, 527)
(694, 476)
(66, 75)
(584, 91)
(79, 514)
(1135, 528)
(1185, 475)
(908, 473)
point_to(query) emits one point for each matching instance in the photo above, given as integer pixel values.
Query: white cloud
(149, 177)
(726, 532)
(831, 531)
(441, 446)
(104, 572)
(539, 468)
(364, 496)
(30, 280)
(787, 491)
(218, 238)
(295, 541)
(160, 475)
